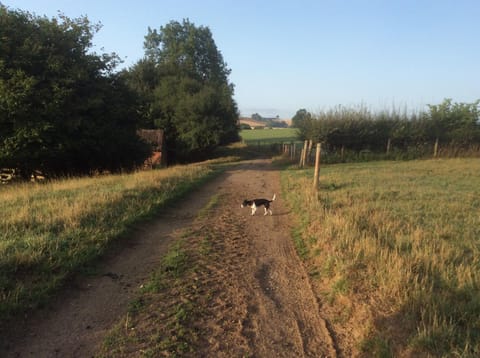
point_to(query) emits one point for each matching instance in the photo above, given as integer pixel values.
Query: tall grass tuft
(400, 241)
(48, 231)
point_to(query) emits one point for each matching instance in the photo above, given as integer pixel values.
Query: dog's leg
(254, 209)
(267, 209)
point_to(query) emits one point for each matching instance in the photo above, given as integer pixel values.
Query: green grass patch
(169, 333)
(209, 207)
(377, 347)
(300, 246)
(405, 235)
(269, 136)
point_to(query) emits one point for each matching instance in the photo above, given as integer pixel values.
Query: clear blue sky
(287, 55)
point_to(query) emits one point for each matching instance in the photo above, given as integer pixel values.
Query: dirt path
(262, 302)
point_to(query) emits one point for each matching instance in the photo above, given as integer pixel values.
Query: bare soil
(260, 300)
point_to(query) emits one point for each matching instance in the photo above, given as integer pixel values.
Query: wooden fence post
(317, 165)
(435, 148)
(304, 153)
(309, 150)
(388, 146)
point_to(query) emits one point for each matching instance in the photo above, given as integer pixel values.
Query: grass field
(49, 231)
(268, 136)
(393, 248)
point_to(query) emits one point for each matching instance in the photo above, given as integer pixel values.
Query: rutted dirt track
(263, 304)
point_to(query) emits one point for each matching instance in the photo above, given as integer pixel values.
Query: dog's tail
(274, 196)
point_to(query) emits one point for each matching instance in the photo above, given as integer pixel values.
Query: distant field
(268, 136)
(393, 247)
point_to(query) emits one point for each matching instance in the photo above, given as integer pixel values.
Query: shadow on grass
(247, 152)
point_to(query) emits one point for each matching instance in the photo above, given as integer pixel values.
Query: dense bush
(62, 109)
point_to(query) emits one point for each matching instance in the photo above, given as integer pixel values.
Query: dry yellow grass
(400, 241)
(49, 230)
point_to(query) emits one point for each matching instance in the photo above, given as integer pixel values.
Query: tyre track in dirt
(260, 304)
(283, 317)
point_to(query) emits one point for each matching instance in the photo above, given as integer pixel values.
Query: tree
(300, 117)
(257, 117)
(454, 122)
(303, 121)
(184, 85)
(143, 79)
(62, 109)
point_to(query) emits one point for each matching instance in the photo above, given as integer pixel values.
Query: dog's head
(244, 204)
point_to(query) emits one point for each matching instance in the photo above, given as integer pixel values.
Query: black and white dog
(253, 204)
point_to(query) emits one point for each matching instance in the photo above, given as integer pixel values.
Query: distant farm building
(252, 123)
(275, 122)
(154, 137)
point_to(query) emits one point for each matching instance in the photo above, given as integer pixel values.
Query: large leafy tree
(62, 109)
(184, 84)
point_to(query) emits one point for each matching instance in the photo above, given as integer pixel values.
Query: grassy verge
(393, 249)
(49, 231)
(163, 321)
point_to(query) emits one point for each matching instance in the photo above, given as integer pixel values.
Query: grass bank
(181, 310)
(393, 251)
(49, 231)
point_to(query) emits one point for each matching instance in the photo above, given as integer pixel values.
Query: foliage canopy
(457, 124)
(183, 83)
(62, 108)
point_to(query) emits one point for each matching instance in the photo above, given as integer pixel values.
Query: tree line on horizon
(456, 125)
(65, 110)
